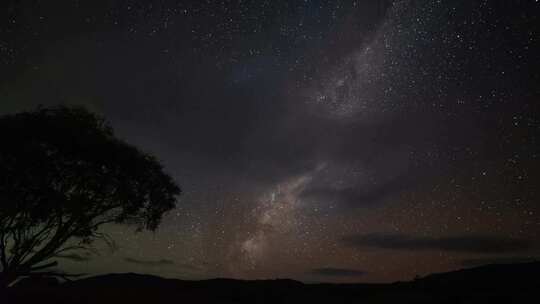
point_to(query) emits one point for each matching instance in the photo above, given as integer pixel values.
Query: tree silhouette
(63, 174)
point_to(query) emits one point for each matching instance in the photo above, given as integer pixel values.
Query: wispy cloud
(463, 243)
(497, 260)
(337, 272)
(151, 263)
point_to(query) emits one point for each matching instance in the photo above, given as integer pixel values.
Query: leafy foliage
(63, 174)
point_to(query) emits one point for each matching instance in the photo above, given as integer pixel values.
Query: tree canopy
(63, 174)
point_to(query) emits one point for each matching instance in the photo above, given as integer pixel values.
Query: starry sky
(340, 141)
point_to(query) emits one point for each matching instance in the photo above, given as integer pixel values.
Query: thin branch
(63, 275)
(48, 265)
(3, 245)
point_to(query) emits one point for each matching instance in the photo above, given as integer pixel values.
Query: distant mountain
(506, 276)
(514, 283)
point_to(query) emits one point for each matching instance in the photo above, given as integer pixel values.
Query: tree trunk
(6, 279)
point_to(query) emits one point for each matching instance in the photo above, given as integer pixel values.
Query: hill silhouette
(512, 283)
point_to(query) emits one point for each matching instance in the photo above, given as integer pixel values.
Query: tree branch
(63, 275)
(40, 267)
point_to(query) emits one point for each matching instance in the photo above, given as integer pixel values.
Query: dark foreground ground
(517, 283)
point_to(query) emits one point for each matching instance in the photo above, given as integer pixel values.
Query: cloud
(355, 196)
(151, 263)
(465, 243)
(337, 272)
(190, 267)
(497, 260)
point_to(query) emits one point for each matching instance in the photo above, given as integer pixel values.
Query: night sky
(341, 141)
